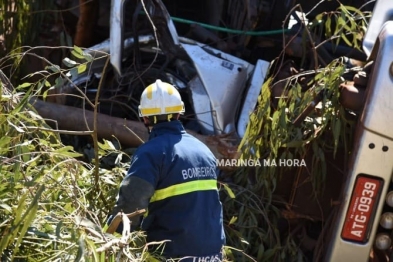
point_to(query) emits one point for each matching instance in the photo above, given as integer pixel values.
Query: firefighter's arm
(134, 194)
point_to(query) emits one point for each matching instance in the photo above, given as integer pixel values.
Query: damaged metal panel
(251, 98)
(224, 78)
(201, 105)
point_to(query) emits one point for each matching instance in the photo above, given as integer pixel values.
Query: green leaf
(58, 229)
(107, 145)
(78, 50)
(92, 249)
(77, 55)
(336, 135)
(81, 249)
(351, 8)
(24, 85)
(328, 28)
(88, 57)
(73, 73)
(59, 82)
(346, 40)
(28, 217)
(275, 119)
(319, 17)
(261, 250)
(294, 143)
(82, 68)
(269, 254)
(233, 220)
(53, 68)
(25, 153)
(4, 142)
(283, 119)
(229, 191)
(67, 151)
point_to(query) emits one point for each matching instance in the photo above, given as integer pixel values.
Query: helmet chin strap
(169, 117)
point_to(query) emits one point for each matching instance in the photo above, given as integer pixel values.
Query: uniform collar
(172, 127)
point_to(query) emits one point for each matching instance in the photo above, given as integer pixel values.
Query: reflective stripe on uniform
(184, 188)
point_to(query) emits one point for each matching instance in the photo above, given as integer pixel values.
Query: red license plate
(361, 211)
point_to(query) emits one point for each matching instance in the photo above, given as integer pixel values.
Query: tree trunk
(86, 22)
(129, 133)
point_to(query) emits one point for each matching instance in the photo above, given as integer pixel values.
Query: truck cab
(363, 226)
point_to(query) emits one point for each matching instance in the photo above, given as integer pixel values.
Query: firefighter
(174, 176)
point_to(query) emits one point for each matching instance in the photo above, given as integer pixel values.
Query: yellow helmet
(160, 98)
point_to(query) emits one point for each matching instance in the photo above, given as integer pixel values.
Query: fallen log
(129, 133)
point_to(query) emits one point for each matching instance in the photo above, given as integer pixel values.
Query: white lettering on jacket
(199, 172)
(207, 259)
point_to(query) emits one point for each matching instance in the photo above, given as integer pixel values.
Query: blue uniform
(185, 207)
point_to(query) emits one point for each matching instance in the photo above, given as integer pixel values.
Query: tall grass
(45, 210)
